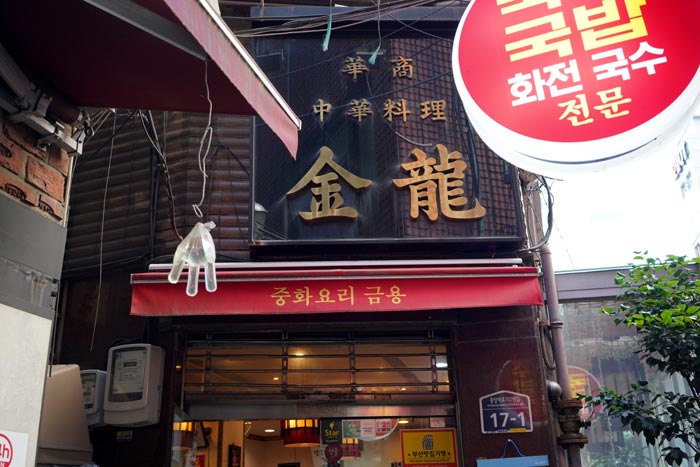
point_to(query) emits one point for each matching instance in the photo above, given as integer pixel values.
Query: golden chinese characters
(354, 66)
(431, 182)
(327, 201)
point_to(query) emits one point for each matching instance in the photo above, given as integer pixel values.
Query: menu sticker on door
(505, 412)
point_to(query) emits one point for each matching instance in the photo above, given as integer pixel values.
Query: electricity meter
(134, 385)
(93, 395)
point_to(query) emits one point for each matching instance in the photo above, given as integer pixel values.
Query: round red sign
(560, 85)
(5, 451)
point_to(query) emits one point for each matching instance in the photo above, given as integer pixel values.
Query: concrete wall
(32, 242)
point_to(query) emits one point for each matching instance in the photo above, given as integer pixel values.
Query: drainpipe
(567, 408)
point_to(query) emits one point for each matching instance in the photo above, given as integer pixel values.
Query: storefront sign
(505, 412)
(436, 186)
(429, 448)
(386, 159)
(565, 86)
(13, 448)
(318, 291)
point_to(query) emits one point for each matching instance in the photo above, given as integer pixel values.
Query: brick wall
(32, 177)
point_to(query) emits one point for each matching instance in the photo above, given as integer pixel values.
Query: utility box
(133, 387)
(93, 396)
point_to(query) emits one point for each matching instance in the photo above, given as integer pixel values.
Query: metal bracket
(29, 105)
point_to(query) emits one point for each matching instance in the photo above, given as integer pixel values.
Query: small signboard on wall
(429, 448)
(505, 412)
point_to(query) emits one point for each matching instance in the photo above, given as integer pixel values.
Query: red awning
(254, 290)
(141, 54)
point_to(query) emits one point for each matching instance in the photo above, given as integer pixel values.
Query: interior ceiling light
(300, 433)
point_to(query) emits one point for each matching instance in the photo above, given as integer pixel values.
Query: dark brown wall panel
(137, 224)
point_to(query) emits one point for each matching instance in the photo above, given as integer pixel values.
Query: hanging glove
(196, 249)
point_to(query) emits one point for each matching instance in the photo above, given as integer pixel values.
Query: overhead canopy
(255, 288)
(145, 54)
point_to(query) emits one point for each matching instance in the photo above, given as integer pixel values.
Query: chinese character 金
(394, 108)
(354, 66)
(359, 109)
(430, 182)
(327, 201)
(321, 108)
(433, 109)
(403, 67)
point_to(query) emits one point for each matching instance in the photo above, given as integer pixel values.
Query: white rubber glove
(196, 249)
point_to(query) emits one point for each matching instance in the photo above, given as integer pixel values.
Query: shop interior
(295, 443)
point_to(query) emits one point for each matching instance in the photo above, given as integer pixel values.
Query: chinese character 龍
(430, 181)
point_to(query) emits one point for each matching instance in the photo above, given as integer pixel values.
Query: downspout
(567, 408)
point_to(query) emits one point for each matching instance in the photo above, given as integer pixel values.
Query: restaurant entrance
(312, 398)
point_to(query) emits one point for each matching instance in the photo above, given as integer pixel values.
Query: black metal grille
(298, 365)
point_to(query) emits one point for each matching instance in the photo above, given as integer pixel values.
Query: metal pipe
(555, 322)
(573, 450)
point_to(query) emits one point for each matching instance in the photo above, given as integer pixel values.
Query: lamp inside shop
(183, 435)
(301, 433)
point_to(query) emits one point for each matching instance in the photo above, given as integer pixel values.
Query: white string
(102, 232)
(201, 160)
(373, 57)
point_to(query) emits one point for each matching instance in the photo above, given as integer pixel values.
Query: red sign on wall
(553, 85)
(339, 290)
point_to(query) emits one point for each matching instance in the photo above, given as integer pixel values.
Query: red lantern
(301, 433)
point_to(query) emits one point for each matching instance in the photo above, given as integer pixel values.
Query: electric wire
(319, 23)
(364, 45)
(84, 159)
(550, 218)
(164, 170)
(102, 232)
(413, 28)
(373, 57)
(373, 98)
(327, 37)
(202, 160)
(470, 146)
